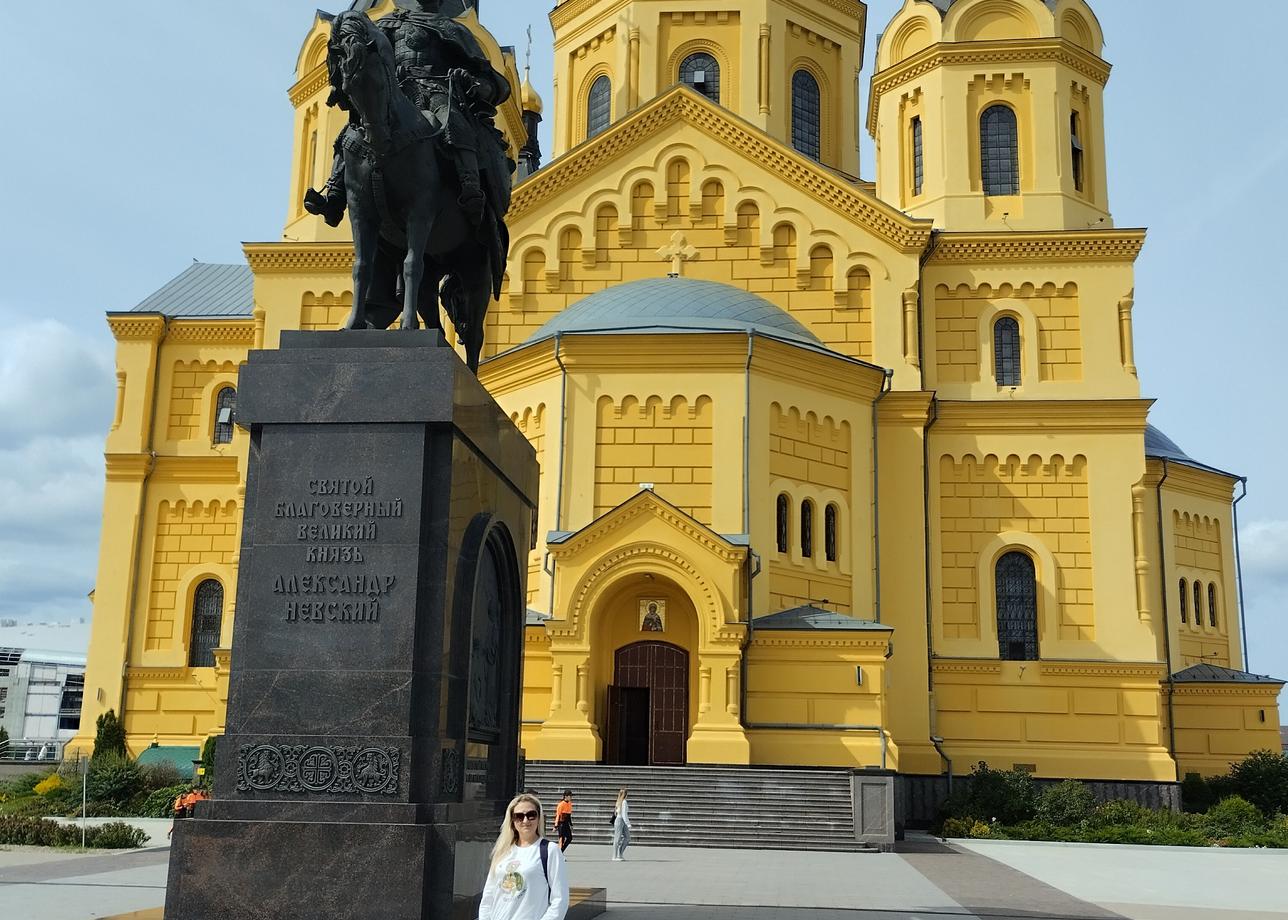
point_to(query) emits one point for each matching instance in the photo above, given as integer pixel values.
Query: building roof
(1214, 674)
(944, 5)
(12, 656)
(1159, 446)
(204, 289)
(813, 618)
(180, 758)
(677, 305)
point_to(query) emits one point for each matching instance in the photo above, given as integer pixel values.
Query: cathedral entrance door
(649, 705)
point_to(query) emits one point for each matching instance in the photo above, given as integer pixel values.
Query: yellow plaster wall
(989, 501)
(1080, 720)
(1218, 725)
(328, 310)
(192, 389)
(191, 538)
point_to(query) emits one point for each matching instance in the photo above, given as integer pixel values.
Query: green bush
(109, 737)
(114, 781)
(160, 802)
(1262, 779)
(1196, 794)
(208, 751)
(994, 796)
(27, 783)
(1069, 803)
(1120, 813)
(41, 832)
(4, 739)
(1233, 817)
(162, 776)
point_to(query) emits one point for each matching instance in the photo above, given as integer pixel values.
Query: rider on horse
(445, 72)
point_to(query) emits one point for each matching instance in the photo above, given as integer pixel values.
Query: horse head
(360, 61)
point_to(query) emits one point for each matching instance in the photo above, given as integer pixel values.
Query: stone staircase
(726, 807)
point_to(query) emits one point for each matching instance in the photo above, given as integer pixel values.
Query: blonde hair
(621, 797)
(509, 836)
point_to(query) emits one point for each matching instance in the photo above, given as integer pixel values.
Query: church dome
(677, 305)
(529, 99)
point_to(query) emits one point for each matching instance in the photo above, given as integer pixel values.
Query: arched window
(1006, 352)
(784, 523)
(1198, 602)
(1079, 155)
(807, 529)
(599, 106)
(1185, 601)
(807, 115)
(702, 72)
(225, 414)
(207, 622)
(1212, 605)
(1017, 608)
(831, 537)
(999, 151)
(918, 157)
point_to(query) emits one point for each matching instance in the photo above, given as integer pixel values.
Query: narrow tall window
(918, 157)
(1185, 601)
(807, 115)
(702, 72)
(1198, 603)
(1007, 363)
(831, 536)
(599, 106)
(225, 415)
(999, 151)
(784, 523)
(807, 529)
(1075, 144)
(1212, 605)
(1017, 608)
(207, 622)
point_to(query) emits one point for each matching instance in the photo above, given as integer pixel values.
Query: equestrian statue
(421, 168)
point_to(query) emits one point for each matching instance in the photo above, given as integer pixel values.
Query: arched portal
(648, 705)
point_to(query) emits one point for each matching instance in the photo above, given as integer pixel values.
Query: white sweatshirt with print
(517, 889)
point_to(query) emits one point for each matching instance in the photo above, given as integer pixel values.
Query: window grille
(702, 72)
(1212, 605)
(1185, 601)
(599, 106)
(918, 157)
(1000, 151)
(807, 529)
(225, 414)
(807, 115)
(784, 512)
(830, 536)
(1075, 142)
(1017, 608)
(1006, 352)
(207, 622)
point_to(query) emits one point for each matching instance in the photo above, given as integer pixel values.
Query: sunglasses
(526, 815)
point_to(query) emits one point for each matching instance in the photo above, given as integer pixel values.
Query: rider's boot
(329, 204)
(472, 199)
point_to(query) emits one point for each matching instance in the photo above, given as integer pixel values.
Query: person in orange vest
(563, 820)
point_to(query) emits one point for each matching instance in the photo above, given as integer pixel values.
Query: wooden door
(663, 670)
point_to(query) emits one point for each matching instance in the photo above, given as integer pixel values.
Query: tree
(208, 760)
(109, 741)
(4, 741)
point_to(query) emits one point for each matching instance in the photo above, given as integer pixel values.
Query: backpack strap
(545, 860)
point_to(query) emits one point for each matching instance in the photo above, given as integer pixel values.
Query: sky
(144, 139)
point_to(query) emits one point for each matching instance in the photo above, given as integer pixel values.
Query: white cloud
(53, 381)
(1265, 580)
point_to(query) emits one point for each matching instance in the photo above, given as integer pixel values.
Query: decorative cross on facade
(677, 253)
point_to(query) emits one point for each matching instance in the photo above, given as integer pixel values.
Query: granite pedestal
(372, 730)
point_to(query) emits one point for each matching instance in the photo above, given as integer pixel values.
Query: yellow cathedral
(835, 472)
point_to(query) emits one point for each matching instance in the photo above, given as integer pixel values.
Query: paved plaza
(927, 880)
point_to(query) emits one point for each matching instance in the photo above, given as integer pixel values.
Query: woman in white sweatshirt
(621, 827)
(527, 879)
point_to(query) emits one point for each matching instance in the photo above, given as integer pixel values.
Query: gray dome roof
(677, 305)
(944, 5)
(1161, 447)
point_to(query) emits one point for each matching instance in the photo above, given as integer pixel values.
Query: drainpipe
(938, 742)
(141, 513)
(930, 600)
(886, 386)
(1167, 628)
(1238, 574)
(753, 564)
(551, 564)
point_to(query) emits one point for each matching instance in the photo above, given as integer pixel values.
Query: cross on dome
(677, 253)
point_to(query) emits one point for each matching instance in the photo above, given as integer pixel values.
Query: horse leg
(414, 268)
(427, 303)
(366, 242)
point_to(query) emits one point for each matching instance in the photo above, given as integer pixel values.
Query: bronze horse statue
(414, 244)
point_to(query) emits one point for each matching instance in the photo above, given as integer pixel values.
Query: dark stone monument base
(311, 871)
(373, 712)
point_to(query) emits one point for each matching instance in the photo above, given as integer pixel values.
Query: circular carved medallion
(372, 769)
(318, 768)
(264, 767)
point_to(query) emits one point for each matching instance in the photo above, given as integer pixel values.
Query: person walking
(563, 820)
(621, 827)
(527, 878)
